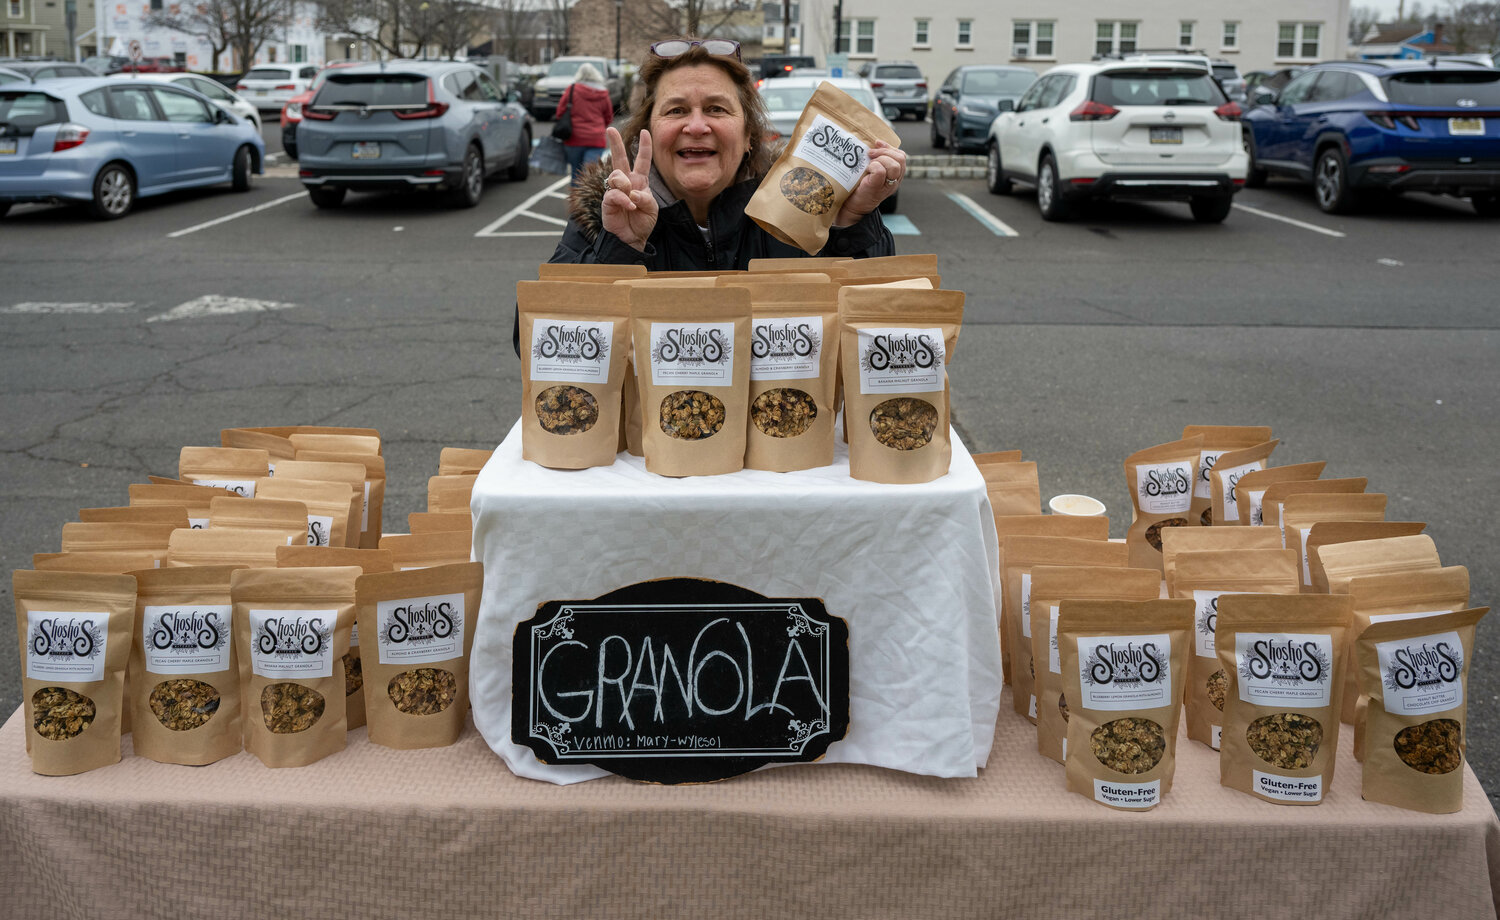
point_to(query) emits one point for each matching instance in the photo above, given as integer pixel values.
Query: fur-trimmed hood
(586, 199)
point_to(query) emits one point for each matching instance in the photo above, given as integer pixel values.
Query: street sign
(136, 53)
(837, 64)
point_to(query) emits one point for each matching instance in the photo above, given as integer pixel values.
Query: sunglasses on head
(718, 47)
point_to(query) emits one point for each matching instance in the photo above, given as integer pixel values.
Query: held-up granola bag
(819, 168)
(151, 538)
(229, 547)
(1281, 705)
(74, 632)
(1017, 556)
(176, 515)
(1397, 596)
(1217, 441)
(1300, 512)
(184, 675)
(1203, 578)
(1275, 496)
(450, 494)
(1160, 480)
(261, 513)
(419, 628)
(1330, 533)
(193, 498)
(1344, 561)
(1122, 665)
(1178, 540)
(1050, 585)
(896, 346)
(425, 550)
(292, 630)
(1250, 491)
(1416, 674)
(573, 350)
(237, 469)
(692, 351)
(329, 508)
(372, 501)
(1224, 479)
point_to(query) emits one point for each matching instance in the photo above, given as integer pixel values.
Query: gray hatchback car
(435, 125)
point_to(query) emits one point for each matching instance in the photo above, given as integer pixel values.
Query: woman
(588, 99)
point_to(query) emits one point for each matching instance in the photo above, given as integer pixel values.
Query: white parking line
(1287, 220)
(992, 223)
(50, 306)
(218, 305)
(524, 209)
(235, 216)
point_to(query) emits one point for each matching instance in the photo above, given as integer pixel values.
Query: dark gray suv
(435, 125)
(900, 87)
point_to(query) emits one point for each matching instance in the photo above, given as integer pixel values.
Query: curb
(945, 166)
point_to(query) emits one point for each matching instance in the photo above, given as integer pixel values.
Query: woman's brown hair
(758, 156)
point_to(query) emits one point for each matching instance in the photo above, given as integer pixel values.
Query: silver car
(223, 97)
(436, 125)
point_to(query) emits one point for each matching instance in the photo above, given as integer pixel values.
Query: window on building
(1299, 40)
(299, 54)
(1231, 37)
(1185, 34)
(919, 37)
(156, 6)
(15, 9)
(863, 33)
(1114, 37)
(965, 32)
(1032, 39)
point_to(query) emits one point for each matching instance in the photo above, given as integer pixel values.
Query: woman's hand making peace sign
(629, 208)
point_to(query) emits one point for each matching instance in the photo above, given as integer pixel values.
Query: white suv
(1121, 129)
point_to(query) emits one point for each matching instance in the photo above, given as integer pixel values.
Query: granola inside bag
(1217, 441)
(1224, 479)
(1281, 657)
(1161, 481)
(1122, 665)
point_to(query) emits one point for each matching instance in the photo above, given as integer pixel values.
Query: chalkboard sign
(681, 680)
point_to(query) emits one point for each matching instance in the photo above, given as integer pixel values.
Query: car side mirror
(1263, 96)
(513, 96)
(1006, 105)
(222, 117)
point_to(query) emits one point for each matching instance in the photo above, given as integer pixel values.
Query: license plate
(260, 92)
(367, 150)
(1466, 126)
(7, 146)
(1166, 135)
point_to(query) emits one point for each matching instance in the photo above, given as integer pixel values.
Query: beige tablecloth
(376, 833)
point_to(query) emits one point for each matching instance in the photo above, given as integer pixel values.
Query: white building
(299, 42)
(939, 35)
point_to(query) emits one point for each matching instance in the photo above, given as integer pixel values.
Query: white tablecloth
(912, 568)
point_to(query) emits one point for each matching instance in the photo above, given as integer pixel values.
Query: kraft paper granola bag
(372, 500)
(819, 168)
(1050, 585)
(692, 350)
(1250, 491)
(352, 473)
(233, 513)
(573, 353)
(1122, 664)
(1012, 488)
(1343, 561)
(450, 494)
(74, 635)
(255, 548)
(1224, 479)
(330, 509)
(425, 550)
(419, 629)
(1281, 706)
(1276, 494)
(996, 456)
(1204, 578)
(104, 562)
(1300, 512)
(595, 273)
(277, 447)
(896, 346)
(236, 469)
(1217, 441)
(1416, 674)
(439, 521)
(313, 442)
(151, 538)
(828, 265)
(184, 675)
(1178, 540)
(292, 628)
(909, 265)
(193, 498)
(1039, 525)
(453, 461)
(176, 515)
(1329, 533)
(1161, 481)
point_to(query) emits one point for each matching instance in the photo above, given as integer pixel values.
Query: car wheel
(114, 192)
(1211, 209)
(993, 177)
(888, 205)
(1255, 177)
(471, 181)
(327, 197)
(1331, 182)
(521, 168)
(1049, 192)
(937, 139)
(241, 174)
(953, 134)
(1484, 205)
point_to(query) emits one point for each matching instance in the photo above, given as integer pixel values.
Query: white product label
(1302, 533)
(66, 645)
(242, 487)
(1216, 734)
(692, 354)
(1231, 479)
(292, 644)
(1065, 750)
(1026, 604)
(1294, 670)
(901, 360)
(1031, 707)
(1125, 672)
(412, 568)
(834, 150)
(1128, 795)
(1257, 507)
(1388, 617)
(1206, 619)
(198, 523)
(570, 351)
(1054, 657)
(186, 638)
(1206, 461)
(354, 635)
(1287, 788)
(319, 530)
(1164, 488)
(421, 629)
(1422, 675)
(364, 511)
(271, 470)
(786, 348)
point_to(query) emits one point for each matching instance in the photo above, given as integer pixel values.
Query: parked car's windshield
(268, 73)
(1128, 87)
(569, 68)
(1226, 72)
(898, 72)
(992, 82)
(1445, 87)
(21, 113)
(373, 89)
(790, 99)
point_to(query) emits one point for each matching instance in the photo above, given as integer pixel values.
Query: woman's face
(697, 132)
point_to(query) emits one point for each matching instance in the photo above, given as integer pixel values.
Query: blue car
(1352, 128)
(104, 143)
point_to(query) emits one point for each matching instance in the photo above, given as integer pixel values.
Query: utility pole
(618, 5)
(838, 27)
(786, 26)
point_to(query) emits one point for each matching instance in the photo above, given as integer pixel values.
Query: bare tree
(698, 18)
(1472, 26)
(513, 22)
(242, 26)
(455, 25)
(1361, 19)
(377, 22)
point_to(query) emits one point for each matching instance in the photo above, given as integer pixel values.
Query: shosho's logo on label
(1206, 462)
(292, 643)
(186, 640)
(1125, 672)
(319, 530)
(691, 346)
(1422, 675)
(901, 360)
(420, 629)
(564, 350)
(846, 148)
(66, 645)
(241, 487)
(1206, 620)
(700, 353)
(1284, 668)
(1128, 795)
(834, 151)
(1232, 479)
(786, 348)
(1165, 487)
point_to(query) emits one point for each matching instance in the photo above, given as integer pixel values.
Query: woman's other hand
(881, 180)
(629, 208)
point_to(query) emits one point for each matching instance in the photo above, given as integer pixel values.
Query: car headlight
(294, 110)
(978, 111)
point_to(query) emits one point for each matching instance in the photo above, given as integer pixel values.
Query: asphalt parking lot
(1368, 341)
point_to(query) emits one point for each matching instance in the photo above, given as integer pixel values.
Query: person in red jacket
(588, 100)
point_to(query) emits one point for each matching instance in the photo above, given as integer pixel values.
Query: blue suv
(1352, 127)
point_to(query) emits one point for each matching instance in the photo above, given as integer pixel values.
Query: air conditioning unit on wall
(1023, 51)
